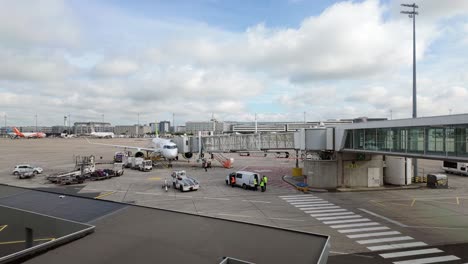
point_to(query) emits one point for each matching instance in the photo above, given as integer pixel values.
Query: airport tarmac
(433, 223)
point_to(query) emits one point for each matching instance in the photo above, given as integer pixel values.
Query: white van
(244, 179)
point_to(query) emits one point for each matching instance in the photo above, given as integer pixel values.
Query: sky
(188, 60)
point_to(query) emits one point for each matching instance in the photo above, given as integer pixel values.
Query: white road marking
(312, 205)
(387, 239)
(325, 211)
(214, 198)
(310, 202)
(397, 246)
(428, 260)
(383, 217)
(363, 229)
(304, 200)
(374, 234)
(298, 195)
(319, 208)
(338, 217)
(253, 201)
(411, 253)
(355, 225)
(346, 221)
(330, 214)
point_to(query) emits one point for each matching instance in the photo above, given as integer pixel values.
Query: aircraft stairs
(225, 161)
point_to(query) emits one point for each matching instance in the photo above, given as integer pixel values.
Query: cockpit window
(170, 147)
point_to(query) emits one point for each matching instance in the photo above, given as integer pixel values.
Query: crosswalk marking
(363, 229)
(338, 217)
(346, 221)
(397, 246)
(374, 234)
(298, 195)
(319, 207)
(411, 253)
(312, 202)
(387, 239)
(313, 205)
(355, 225)
(428, 260)
(325, 211)
(304, 200)
(330, 214)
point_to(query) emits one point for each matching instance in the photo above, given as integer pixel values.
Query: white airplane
(160, 146)
(102, 134)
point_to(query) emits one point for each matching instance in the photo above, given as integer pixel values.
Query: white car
(181, 181)
(26, 168)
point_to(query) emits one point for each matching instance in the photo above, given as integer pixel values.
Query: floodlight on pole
(412, 14)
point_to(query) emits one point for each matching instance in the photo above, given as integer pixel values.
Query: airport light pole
(412, 14)
(36, 121)
(255, 123)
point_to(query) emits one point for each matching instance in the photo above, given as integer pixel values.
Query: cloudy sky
(117, 60)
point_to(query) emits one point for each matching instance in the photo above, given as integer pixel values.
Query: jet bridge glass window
(416, 139)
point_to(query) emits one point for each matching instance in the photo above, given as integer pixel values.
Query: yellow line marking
(24, 241)
(3, 227)
(154, 178)
(458, 202)
(104, 194)
(414, 201)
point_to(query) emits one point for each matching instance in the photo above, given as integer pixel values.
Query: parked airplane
(28, 134)
(102, 134)
(160, 146)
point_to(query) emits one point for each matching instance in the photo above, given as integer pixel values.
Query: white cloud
(354, 59)
(33, 66)
(41, 22)
(116, 68)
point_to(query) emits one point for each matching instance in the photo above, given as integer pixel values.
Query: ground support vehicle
(26, 169)
(26, 174)
(84, 166)
(455, 167)
(181, 181)
(244, 179)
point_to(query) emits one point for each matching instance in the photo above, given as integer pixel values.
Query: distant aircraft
(28, 134)
(101, 134)
(160, 146)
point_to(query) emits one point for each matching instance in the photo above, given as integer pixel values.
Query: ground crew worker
(205, 165)
(265, 179)
(262, 185)
(233, 180)
(255, 184)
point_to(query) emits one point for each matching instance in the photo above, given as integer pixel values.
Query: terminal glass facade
(440, 141)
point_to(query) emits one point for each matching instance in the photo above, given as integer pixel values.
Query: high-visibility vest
(265, 179)
(262, 183)
(255, 181)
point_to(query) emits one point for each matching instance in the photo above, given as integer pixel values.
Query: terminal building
(84, 128)
(133, 130)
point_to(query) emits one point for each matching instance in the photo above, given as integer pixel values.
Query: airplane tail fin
(17, 132)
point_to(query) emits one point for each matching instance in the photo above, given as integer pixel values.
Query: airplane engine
(188, 155)
(139, 154)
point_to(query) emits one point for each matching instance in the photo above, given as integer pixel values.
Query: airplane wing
(125, 147)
